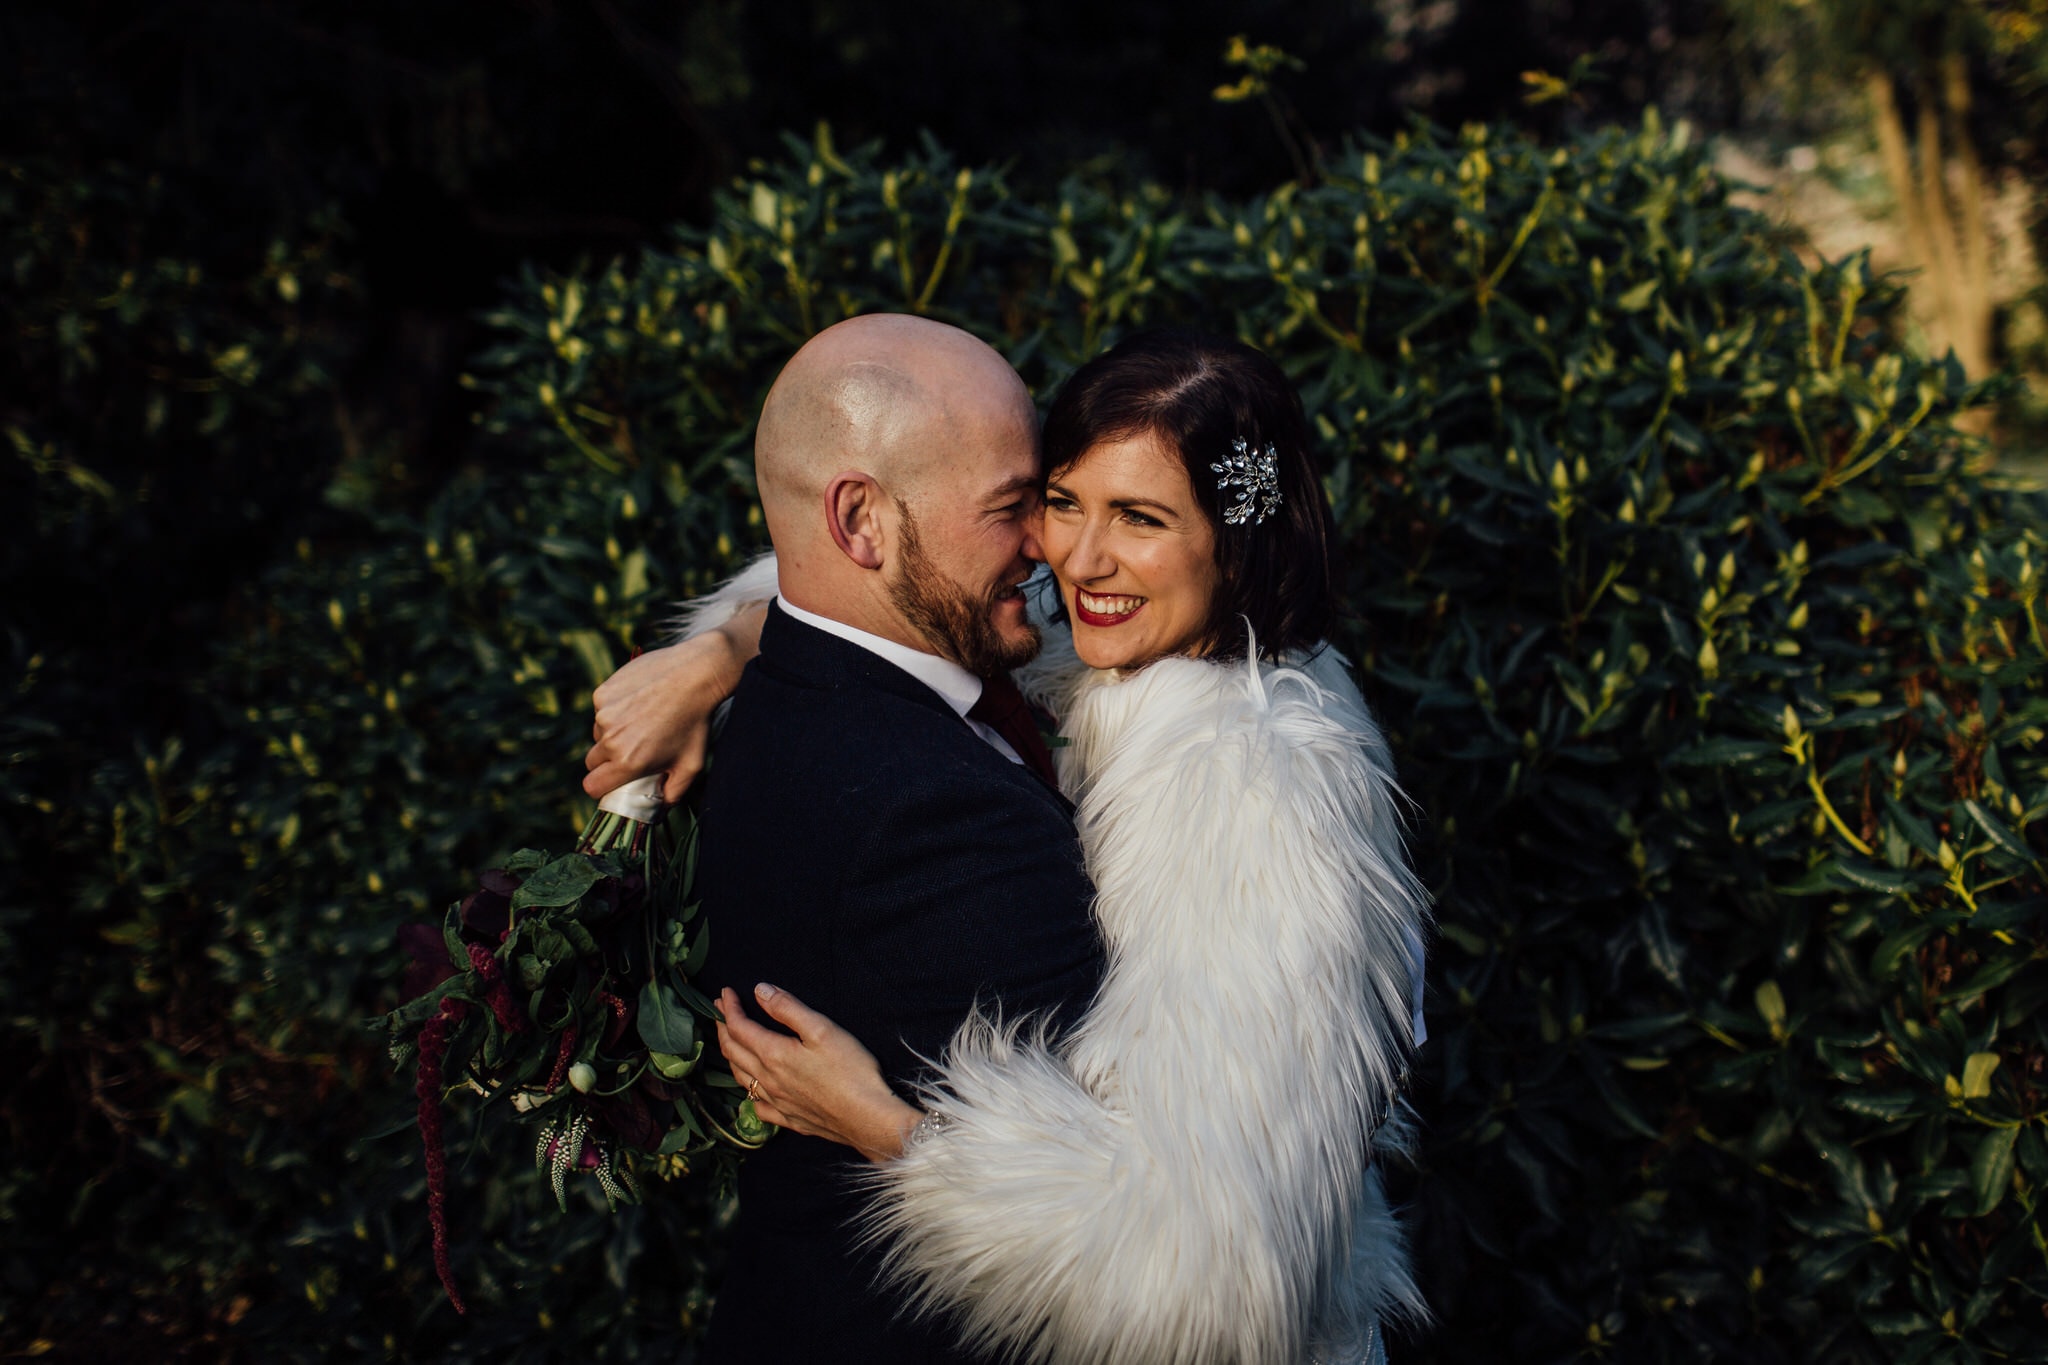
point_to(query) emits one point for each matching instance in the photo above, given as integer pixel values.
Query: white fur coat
(1184, 1176)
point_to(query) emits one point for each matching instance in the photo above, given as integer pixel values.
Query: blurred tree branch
(1911, 70)
(1262, 65)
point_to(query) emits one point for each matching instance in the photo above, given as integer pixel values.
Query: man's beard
(956, 623)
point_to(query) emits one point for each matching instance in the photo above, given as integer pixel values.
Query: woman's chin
(1093, 650)
(1096, 651)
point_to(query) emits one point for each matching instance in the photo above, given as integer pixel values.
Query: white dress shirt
(957, 687)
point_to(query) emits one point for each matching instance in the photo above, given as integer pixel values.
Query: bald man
(873, 843)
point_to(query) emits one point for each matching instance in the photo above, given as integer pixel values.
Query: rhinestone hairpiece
(1252, 479)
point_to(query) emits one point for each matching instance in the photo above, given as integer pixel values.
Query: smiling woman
(1183, 512)
(1133, 551)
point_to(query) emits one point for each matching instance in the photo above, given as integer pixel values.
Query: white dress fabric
(1185, 1175)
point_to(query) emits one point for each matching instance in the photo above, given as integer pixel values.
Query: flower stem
(433, 1052)
(610, 832)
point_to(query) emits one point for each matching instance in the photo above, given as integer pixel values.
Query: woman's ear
(854, 505)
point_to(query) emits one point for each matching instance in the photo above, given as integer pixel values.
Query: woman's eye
(1137, 518)
(1054, 503)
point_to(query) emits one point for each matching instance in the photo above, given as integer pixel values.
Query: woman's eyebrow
(1121, 504)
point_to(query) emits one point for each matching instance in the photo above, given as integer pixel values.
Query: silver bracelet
(926, 1128)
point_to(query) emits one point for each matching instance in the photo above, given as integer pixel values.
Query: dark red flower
(428, 950)
(629, 1119)
(488, 909)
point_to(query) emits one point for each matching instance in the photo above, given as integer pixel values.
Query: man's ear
(854, 505)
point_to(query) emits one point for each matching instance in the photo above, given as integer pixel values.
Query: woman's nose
(1091, 558)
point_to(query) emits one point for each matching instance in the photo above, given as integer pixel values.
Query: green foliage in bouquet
(1710, 653)
(561, 986)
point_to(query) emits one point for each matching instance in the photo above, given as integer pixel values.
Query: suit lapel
(810, 657)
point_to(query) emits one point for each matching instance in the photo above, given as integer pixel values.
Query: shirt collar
(957, 687)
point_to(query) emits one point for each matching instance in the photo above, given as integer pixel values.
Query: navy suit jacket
(864, 849)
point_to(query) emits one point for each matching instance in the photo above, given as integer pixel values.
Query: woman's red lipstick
(1090, 618)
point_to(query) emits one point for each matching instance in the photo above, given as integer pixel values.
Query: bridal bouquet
(561, 989)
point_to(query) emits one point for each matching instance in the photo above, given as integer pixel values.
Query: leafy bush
(1713, 663)
(160, 423)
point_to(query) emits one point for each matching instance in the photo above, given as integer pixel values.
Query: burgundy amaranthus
(562, 1056)
(616, 1029)
(433, 1052)
(496, 991)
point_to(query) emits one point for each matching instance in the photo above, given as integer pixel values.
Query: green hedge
(1711, 656)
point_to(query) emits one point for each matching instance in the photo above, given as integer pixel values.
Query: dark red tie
(1002, 708)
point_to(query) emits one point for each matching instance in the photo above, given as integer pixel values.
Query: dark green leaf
(2008, 842)
(665, 1025)
(1871, 877)
(1878, 1104)
(1898, 946)
(561, 882)
(1991, 1168)
(1715, 753)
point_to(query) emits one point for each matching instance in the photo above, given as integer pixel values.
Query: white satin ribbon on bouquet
(638, 800)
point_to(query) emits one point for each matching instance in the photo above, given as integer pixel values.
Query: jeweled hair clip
(1250, 479)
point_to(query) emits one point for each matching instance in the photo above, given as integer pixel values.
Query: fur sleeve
(750, 586)
(1185, 1177)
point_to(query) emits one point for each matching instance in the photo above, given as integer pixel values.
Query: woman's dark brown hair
(1199, 394)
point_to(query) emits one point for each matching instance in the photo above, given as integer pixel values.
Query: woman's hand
(822, 1082)
(654, 715)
